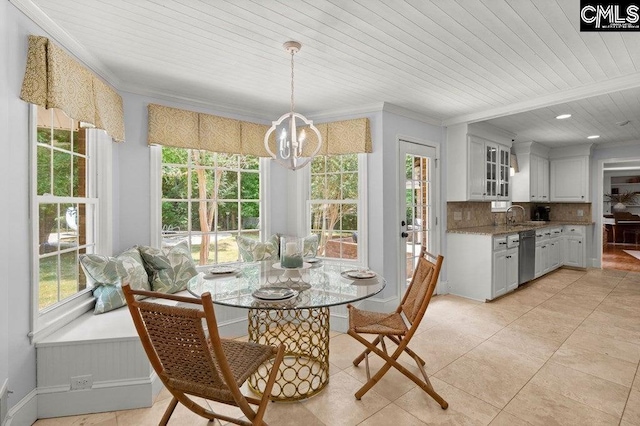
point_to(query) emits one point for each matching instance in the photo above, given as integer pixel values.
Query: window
(65, 211)
(500, 206)
(208, 199)
(335, 205)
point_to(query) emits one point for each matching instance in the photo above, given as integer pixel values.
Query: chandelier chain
(292, 102)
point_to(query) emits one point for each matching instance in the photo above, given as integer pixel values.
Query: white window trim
(155, 221)
(363, 240)
(51, 319)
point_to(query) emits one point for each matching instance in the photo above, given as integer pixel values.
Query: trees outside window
(208, 199)
(334, 205)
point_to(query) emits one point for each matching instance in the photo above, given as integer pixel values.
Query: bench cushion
(169, 268)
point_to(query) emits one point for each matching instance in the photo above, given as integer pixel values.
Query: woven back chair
(399, 327)
(187, 353)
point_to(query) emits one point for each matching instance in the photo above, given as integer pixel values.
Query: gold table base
(305, 335)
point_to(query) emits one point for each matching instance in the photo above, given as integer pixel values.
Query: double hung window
(208, 199)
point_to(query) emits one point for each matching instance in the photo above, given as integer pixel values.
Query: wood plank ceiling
(452, 61)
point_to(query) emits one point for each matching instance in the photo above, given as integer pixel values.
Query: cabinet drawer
(574, 230)
(500, 243)
(556, 232)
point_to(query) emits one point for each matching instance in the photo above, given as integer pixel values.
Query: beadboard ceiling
(509, 61)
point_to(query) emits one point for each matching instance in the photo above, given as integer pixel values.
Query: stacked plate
(359, 274)
(275, 294)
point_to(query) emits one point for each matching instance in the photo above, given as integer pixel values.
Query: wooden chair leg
(366, 352)
(169, 411)
(411, 353)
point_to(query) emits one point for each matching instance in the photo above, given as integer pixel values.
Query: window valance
(187, 129)
(53, 79)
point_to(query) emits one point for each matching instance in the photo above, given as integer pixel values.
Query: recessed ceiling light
(593, 137)
(563, 116)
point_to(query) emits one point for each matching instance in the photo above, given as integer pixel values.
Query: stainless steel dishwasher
(526, 256)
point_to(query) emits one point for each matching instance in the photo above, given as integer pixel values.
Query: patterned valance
(186, 129)
(53, 79)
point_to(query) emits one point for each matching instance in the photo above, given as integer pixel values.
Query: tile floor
(562, 350)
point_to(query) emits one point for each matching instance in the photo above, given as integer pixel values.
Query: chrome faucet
(512, 219)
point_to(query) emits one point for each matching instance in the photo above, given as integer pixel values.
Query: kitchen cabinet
(476, 169)
(505, 266)
(575, 251)
(539, 179)
(542, 252)
(570, 179)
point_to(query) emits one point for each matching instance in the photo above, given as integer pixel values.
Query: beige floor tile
(343, 349)
(392, 415)
(486, 379)
(604, 345)
(99, 419)
(464, 409)
(538, 325)
(512, 305)
(611, 305)
(582, 387)
(597, 364)
(468, 323)
(530, 296)
(337, 405)
(624, 298)
(551, 313)
(441, 345)
(632, 410)
(636, 381)
(593, 325)
(181, 416)
(506, 419)
(550, 285)
(290, 414)
(578, 300)
(500, 315)
(628, 323)
(392, 385)
(539, 406)
(558, 306)
(588, 291)
(522, 340)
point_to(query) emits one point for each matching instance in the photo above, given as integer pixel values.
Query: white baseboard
(3, 401)
(25, 412)
(103, 396)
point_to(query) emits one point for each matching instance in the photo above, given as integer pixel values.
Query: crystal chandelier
(291, 131)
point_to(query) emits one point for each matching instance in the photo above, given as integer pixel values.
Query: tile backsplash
(471, 214)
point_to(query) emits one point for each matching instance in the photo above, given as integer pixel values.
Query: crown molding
(629, 81)
(65, 40)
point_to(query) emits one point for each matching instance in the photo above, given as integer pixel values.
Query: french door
(417, 204)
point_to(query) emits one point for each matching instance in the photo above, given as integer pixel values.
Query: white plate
(274, 294)
(360, 274)
(311, 259)
(223, 270)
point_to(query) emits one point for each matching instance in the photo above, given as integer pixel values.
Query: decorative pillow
(253, 250)
(108, 274)
(310, 247)
(169, 268)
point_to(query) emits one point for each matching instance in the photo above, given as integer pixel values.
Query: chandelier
(291, 131)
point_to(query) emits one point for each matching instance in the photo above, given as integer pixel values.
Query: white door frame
(405, 145)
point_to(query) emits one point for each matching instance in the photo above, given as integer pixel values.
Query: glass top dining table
(289, 307)
(315, 285)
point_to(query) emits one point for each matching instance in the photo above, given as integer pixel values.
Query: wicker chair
(191, 361)
(399, 327)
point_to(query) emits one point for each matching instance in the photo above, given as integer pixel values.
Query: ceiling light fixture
(563, 116)
(593, 137)
(291, 127)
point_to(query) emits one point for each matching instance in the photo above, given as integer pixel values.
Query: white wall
(4, 195)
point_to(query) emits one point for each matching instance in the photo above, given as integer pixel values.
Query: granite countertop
(524, 226)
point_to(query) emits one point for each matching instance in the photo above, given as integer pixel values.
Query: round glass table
(290, 307)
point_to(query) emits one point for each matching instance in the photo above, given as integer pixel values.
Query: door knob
(404, 235)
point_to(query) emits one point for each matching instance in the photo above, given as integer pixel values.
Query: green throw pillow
(169, 268)
(310, 247)
(108, 274)
(253, 250)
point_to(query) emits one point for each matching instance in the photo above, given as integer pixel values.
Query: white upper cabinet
(570, 179)
(477, 163)
(531, 183)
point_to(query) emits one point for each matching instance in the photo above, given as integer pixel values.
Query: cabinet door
(512, 269)
(554, 255)
(543, 184)
(539, 266)
(569, 179)
(533, 177)
(491, 171)
(573, 252)
(499, 273)
(476, 169)
(504, 175)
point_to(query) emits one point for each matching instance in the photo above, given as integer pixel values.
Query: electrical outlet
(580, 213)
(457, 215)
(81, 382)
